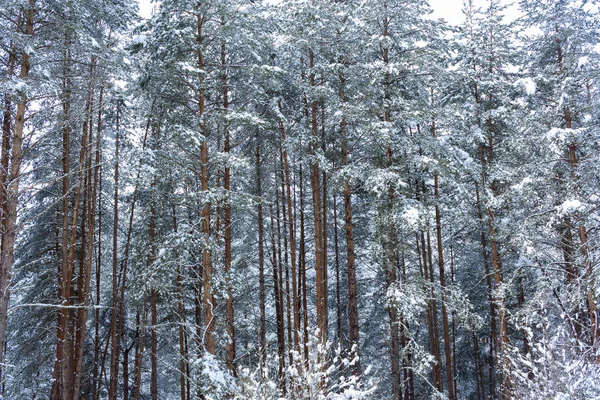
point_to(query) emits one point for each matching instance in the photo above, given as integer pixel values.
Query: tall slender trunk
(302, 268)
(139, 353)
(115, 334)
(286, 266)
(490, 287)
(422, 260)
(292, 236)
(153, 347)
(56, 391)
(229, 311)
(392, 261)
(87, 261)
(353, 322)
(338, 300)
(500, 301)
(67, 320)
(183, 356)
(126, 372)
(441, 268)
(478, 368)
(4, 165)
(324, 213)
(96, 372)
(453, 314)
(320, 251)
(261, 266)
(278, 310)
(208, 296)
(153, 296)
(392, 258)
(583, 233)
(436, 330)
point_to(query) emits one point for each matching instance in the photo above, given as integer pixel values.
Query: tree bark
(262, 334)
(115, 334)
(320, 251)
(7, 255)
(441, 267)
(292, 235)
(229, 311)
(353, 321)
(208, 296)
(278, 310)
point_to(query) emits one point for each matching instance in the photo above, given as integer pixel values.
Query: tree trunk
(353, 322)
(5, 157)
(7, 255)
(337, 273)
(440, 253)
(262, 334)
(488, 278)
(208, 296)
(139, 354)
(302, 278)
(115, 334)
(96, 373)
(183, 356)
(85, 277)
(278, 310)
(292, 236)
(320, 251)
(230, 346)
(286, 265)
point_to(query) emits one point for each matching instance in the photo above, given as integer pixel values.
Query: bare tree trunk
(422, 260)
(324, 215)
(353, 323)
(338, 300)
(392, 260)
(287, 269)
(454, 363)
(302, 264)
(478, 369)
(96, 373)
(230, 346)
(87, 261)
(502, 317)
(139, 354)
(278, 310)
(440, 253)
(57, 391)
(292, 236)
(126, 373)
(5, 157)
(488, 277)
(436, 330)
(183, 356)
(153, 348)
(7, 255)
(66, 341)
(262, 334)
(115, 334)
(506, 388)
(208, 297)
(320, 251)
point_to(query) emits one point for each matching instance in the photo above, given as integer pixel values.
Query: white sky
(145, 8)
(450, 10)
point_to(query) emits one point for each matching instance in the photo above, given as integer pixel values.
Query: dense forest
(299, 199)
